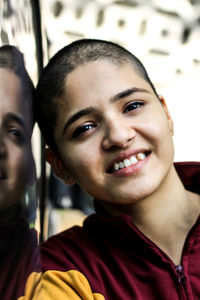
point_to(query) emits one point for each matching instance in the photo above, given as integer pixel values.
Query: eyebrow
(127, 93)
(15, 118)
(88, 110)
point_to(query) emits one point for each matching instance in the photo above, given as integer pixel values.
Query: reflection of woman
(18, 243)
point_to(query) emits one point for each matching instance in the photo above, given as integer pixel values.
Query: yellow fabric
(33, 287)
(57, 285)
(71, 285)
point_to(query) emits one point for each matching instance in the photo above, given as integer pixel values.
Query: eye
(16, 135)
(14, 132)
(133, 106)
(82, 129)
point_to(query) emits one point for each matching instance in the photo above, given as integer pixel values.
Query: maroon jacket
(110, 258)
(19, 258)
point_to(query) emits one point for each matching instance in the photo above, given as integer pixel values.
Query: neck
(166, 216)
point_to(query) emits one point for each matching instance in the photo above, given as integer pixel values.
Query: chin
(135, 195)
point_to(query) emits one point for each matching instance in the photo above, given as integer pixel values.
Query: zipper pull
(180, 272)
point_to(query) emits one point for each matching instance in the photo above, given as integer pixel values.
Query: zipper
(181, 274)
(186, 292)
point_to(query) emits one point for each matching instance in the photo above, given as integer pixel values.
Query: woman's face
(15, 139)
(113, 134)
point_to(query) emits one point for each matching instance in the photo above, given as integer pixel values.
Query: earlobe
(171, 123)
(53, 160)
(58, 167)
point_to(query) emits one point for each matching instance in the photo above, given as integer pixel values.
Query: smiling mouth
(132, 160)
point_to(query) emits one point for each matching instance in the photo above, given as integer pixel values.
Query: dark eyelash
(133, 106)
(83, 128)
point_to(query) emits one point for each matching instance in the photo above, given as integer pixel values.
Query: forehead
(10, 91)
(98, 80)
(11, 96)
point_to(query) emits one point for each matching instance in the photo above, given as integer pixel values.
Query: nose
(118, 134)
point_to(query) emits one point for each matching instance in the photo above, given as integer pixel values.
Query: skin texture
(16, 161)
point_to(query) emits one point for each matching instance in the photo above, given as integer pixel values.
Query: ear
(171, 123)
(58, 167)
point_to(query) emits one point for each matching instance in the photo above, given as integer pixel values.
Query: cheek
(19, 164)
(158, 127)
(80, 161)
(163, 139)
(159, 134)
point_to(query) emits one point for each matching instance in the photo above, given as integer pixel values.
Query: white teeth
(133, 160)
(116, 166)
(121, 165)
(141, 156)
(127, 163)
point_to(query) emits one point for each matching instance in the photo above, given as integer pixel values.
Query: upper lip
(125, 155)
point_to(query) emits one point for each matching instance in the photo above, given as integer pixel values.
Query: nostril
(112, 148)
(115, 145)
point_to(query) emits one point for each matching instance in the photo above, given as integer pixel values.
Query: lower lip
(131, 170)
